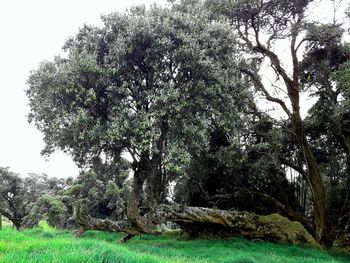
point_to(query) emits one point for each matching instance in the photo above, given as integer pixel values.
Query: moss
(282, 229)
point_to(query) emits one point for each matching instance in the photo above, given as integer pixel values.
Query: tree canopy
(161, 108)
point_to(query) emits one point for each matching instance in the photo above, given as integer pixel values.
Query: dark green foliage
(49, 208)
(230, 175)
(149, 84)
(27, 200)
(12, 201)
(122, 83)
(102, 191)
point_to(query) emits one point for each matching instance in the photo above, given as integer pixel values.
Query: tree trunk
(314, 180)
(293, 90)
(156, 182)
(156, 179)
(0, 221)
(17, 226)
(194, 218)
(313, 177)
(89, 223)
(273, 227)
(134, 201)
(139, 223)
(274, 205)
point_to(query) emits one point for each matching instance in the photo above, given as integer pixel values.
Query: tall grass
(45, 244)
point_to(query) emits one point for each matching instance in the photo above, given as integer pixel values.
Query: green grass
(45, 244)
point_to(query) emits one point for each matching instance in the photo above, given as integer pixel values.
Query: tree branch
(293, 49)
(7, 215)
(293, 166)
(262, 88)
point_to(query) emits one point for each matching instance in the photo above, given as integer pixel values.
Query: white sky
(32, 31)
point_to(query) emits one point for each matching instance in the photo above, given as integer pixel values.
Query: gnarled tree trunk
(314, 178)
(274, 205)
(275, 227)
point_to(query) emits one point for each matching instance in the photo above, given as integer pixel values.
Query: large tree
(261, 24)
(47, 204)
(13, 205)
(17, 194)
(327, 125)
(149, 84)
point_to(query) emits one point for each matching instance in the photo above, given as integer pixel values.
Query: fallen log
(89, 223)
(275, 206)
(274, 227)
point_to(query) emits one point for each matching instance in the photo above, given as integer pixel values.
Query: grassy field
(45, 244)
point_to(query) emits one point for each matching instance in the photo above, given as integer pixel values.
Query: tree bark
(134, 202)
(17, 226)
(273, 227)
(277, 206)
(89, 223)
(314, 180)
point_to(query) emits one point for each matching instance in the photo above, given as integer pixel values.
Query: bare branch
(293, 165)
(276, 63)
(261, 87)
(293, 49)
(300, 43)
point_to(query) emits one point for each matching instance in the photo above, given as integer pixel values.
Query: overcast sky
(32, 31)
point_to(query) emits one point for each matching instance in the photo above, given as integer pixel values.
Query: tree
(326, 122)
(13, 205)
(47, 204)
(151, 84)
(14, 197)
(260, 24)
(19, 195)
(325, 56)
(148, 83)
(102, 190)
